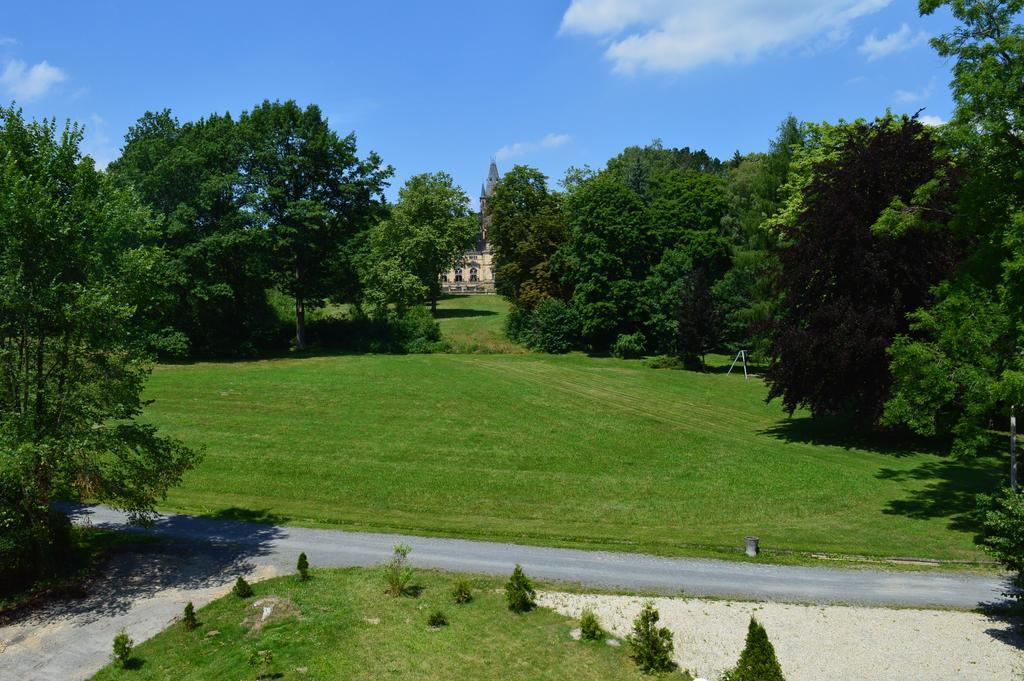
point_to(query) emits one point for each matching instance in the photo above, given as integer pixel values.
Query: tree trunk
(433, 303)
(300, 324)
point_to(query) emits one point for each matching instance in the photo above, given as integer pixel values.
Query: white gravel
(819, 643)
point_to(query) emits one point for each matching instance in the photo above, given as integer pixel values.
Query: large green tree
(961, 366)
(426, 234)
(527, 227)
(312, 194)
(216, 273)
(73, 274)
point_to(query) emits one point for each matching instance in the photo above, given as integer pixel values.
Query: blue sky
(447, 85)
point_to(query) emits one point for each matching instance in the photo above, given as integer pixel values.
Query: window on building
(473, 274)
(458, 274)
(444, 278)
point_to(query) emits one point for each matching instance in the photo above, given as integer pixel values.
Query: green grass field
(568, 450)
(348, 629)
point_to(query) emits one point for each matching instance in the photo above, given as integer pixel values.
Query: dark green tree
(757, 661)
(72, 366)
(216, 270)
(519, 593)
(302, 567)
(527, 227)
(312, 194)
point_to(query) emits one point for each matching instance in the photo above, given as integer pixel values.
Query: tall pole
(1014, 484)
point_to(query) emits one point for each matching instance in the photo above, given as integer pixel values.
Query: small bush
(757, 661)
(242, 588)
(437, 619)
(303, 567)
(630, 346)
(189, 618)
(262, 660)
(397, 573)
(519, 593)
(665, 362)
(462, 592)
(590, 628)
(651, 646)
(1003, 534)
(123, 645)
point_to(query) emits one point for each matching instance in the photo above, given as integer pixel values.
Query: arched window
(444, 277)
(473, 275)
(458, 274)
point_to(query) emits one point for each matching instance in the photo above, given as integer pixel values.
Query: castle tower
(485, 193)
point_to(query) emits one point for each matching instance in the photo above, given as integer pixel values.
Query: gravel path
(818, 643)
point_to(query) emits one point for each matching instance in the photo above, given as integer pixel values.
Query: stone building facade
(474, 273)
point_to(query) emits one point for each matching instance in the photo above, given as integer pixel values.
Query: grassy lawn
(348, 629)
(475, 324)
(567, 450)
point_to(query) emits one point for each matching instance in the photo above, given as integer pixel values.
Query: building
(474, 273)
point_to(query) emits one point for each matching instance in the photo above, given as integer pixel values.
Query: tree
(527, 227)
(981, 356)
(606, 257)
(651, 646)
(757, 661)
(312, 194)
(426, 234)
(216, 272)
(865, 239)
(72, 368)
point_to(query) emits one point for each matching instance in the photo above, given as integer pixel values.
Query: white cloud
(8, 42)
(672, 35)
(933, 121)
(900, 40)
(26, 83)
(522, 148)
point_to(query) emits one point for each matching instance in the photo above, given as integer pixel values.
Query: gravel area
(817, 643)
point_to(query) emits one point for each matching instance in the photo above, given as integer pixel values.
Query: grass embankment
(347, 628)
(568, 450)
(476, 324)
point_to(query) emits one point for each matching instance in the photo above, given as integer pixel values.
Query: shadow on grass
(839, 432)
(459, 312)
(950, 490)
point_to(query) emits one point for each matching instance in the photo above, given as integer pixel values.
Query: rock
(613, 642)
(212, 632)
(372, 620)
(302, 670)
(263, 611)
(575, 634)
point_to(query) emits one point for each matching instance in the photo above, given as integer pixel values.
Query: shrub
(35, 544)
(519, 593)
(590, 628)
(437, 619)
(123, 649)
(242, 588)
(1003, 534)
(262, 660)
(397, 572)
(757, 661)
(665, 362)
(303, 567)
(553, 327)
(630, 346)
(462, 592)
(651, 646)
(189, 619)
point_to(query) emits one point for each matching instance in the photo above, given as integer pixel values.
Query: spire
(492, 175)
(483, 194)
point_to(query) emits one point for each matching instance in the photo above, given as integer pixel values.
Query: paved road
(279, 547)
